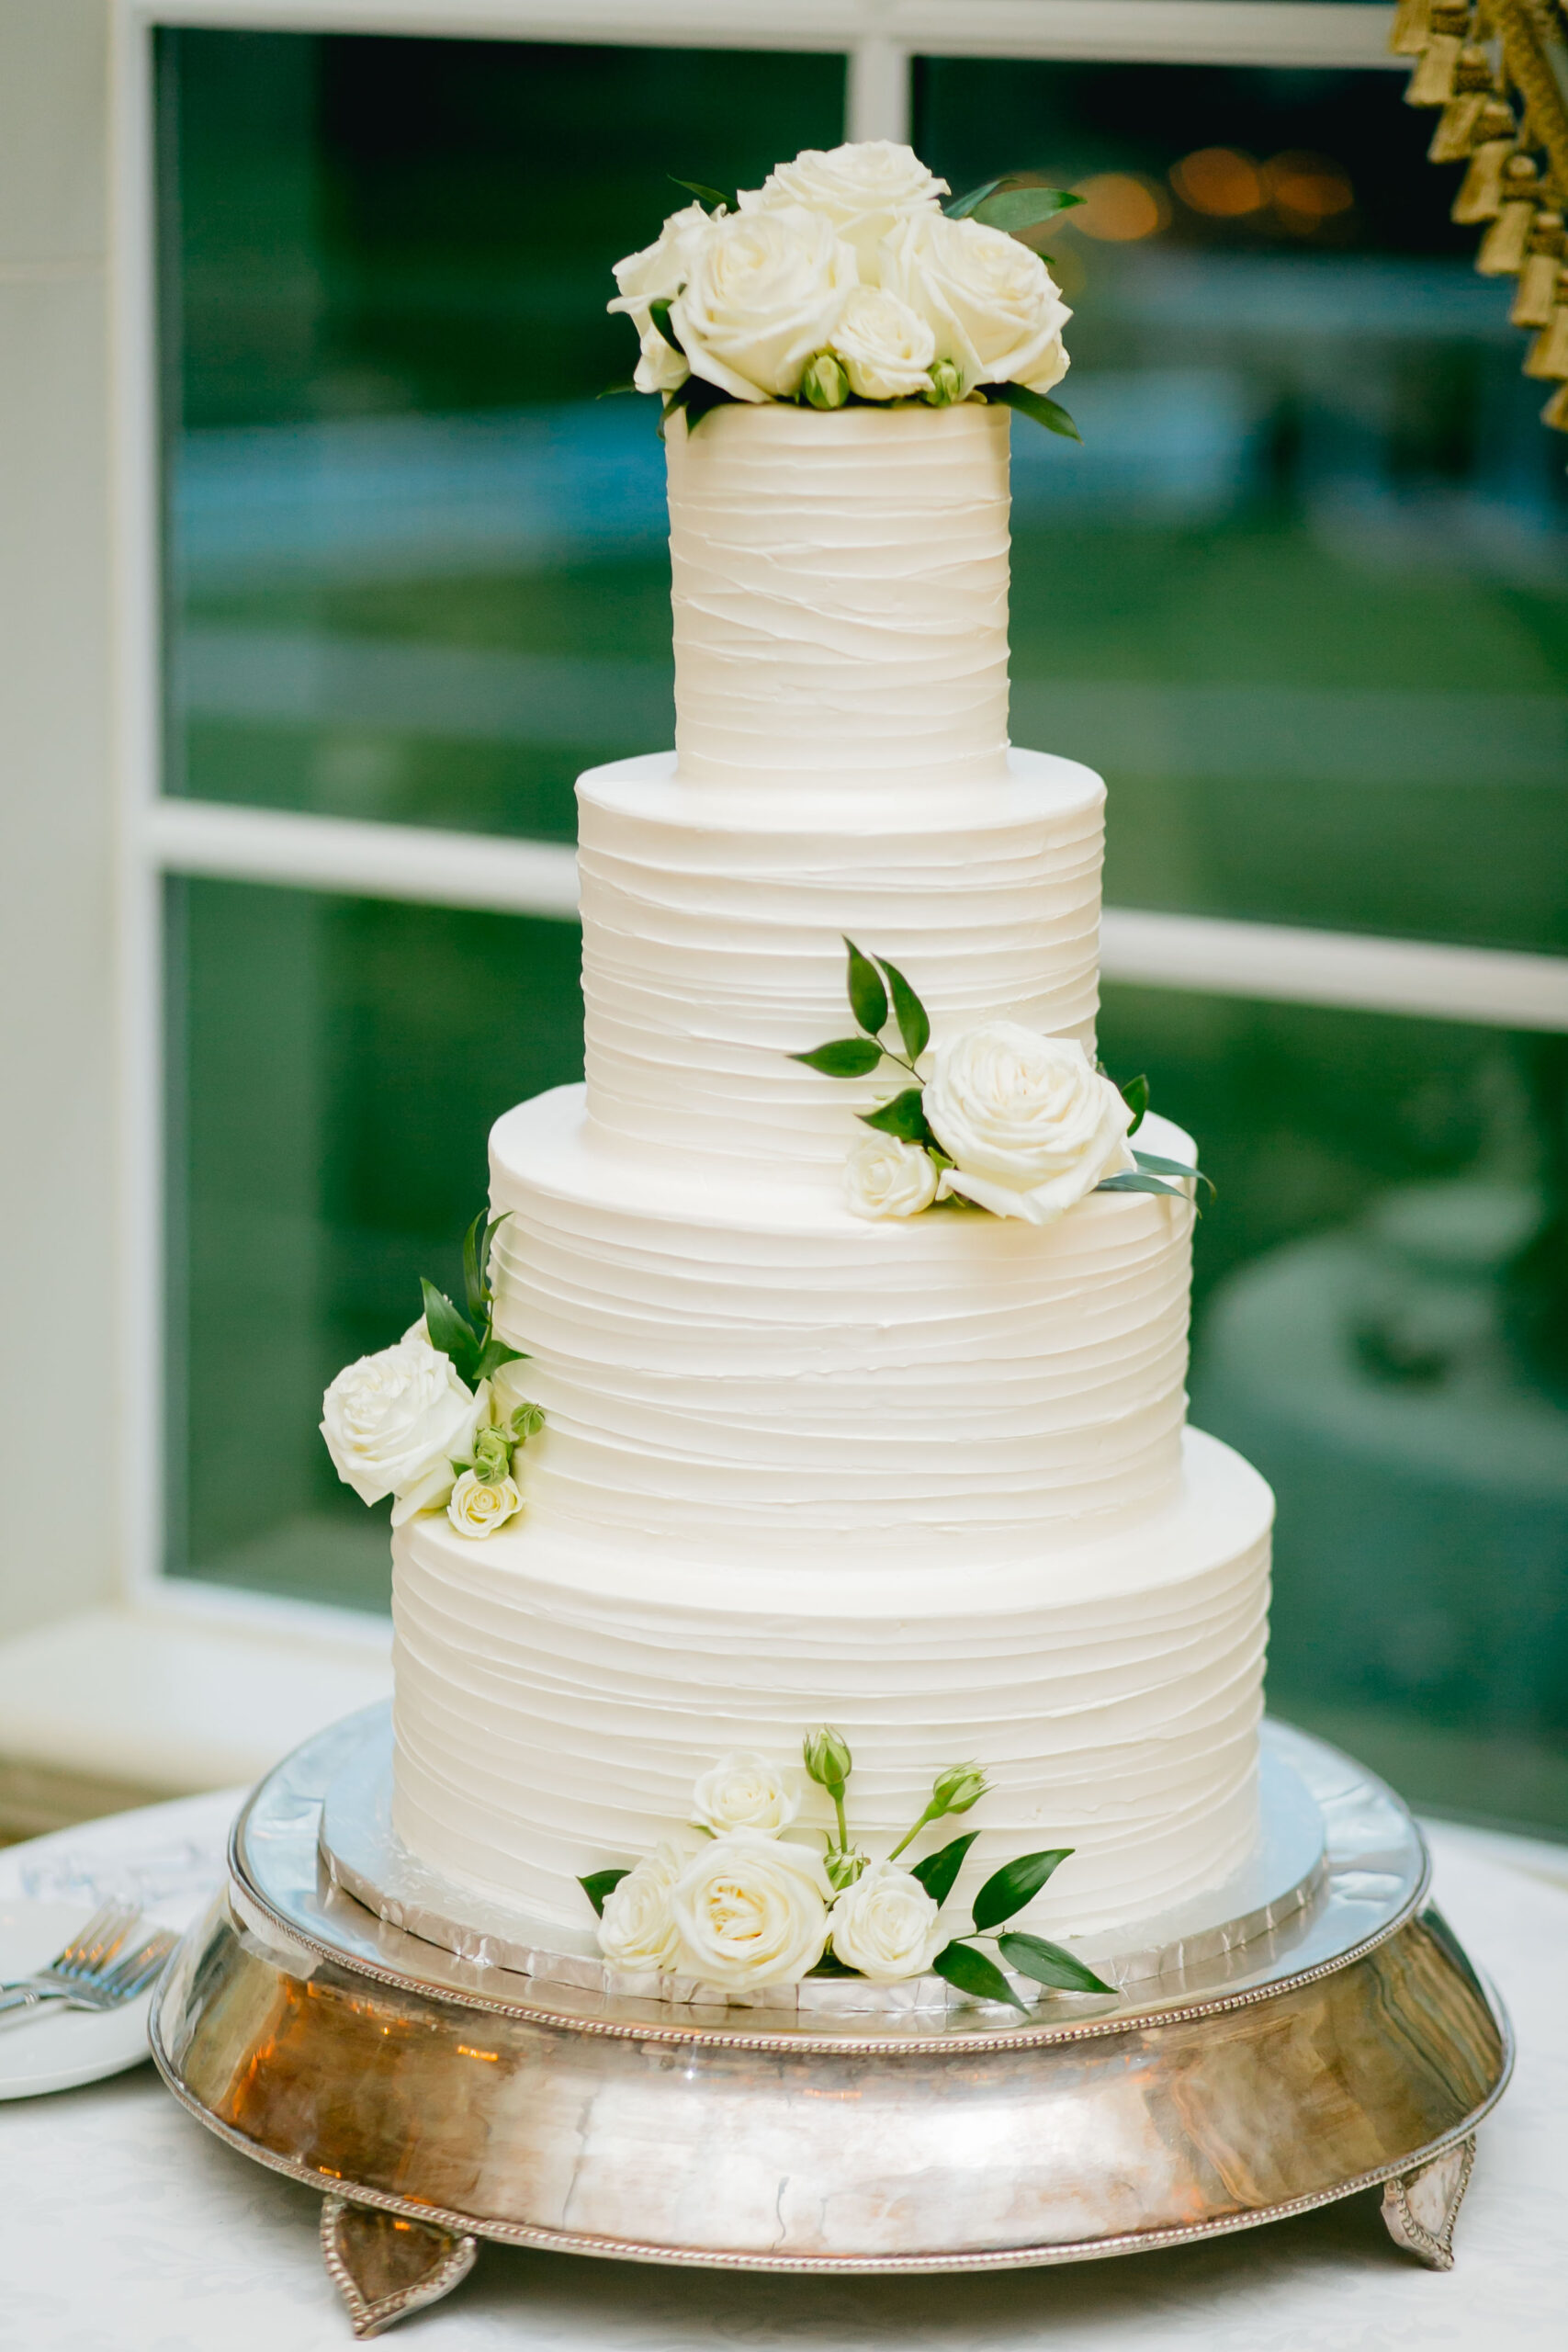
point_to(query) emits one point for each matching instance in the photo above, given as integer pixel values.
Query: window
(1299, 597)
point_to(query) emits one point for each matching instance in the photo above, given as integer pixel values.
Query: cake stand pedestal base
(435, 2099)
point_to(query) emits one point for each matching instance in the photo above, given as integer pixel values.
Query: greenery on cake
(742, 1901)
(998, 1118)
(438, 1419)
(844, 281)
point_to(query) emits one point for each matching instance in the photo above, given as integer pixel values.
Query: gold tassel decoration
(1461, 126)
(1481, 190)
(1548, 357)
(1555, 413)
(1502, 247)
(1432, 83)
(1412, 22)
(1532, 304)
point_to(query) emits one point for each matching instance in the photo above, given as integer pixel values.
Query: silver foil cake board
(437, 2099)
(364, 1854)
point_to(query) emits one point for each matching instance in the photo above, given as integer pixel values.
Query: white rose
(991, 304)
(886, 350)
(392, 1422)
(886, 1178)
(887, 1924)
(752, 1910)
(743, 1791)
(636, 1928)
(763, 296)
(864, 188)
(657, 275)
(478, 1507)
(1029, 1120)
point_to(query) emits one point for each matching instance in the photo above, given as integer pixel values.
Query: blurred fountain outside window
(1300, 597)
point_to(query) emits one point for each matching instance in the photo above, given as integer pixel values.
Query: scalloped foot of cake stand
(385, 2266)
(1421, 2208)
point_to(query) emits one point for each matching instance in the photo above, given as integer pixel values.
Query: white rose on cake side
(657, 275)
(477, 1507)
(393, 1422)
(636, 1926)
(886, 348)
(993, 307)
(763, 297)
(1029, 1122)
(886, 1178)
(743, 1791)
(752, 1910)
(864, 188)
(887, 1924)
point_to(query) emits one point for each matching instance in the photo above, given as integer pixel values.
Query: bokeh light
(1119, 206)
(1307, 190)
(1219, 181)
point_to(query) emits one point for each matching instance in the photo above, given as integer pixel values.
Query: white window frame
(161, 836)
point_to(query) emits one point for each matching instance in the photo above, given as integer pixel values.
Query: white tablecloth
(126, 2228)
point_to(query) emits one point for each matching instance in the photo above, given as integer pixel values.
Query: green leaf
(1022, 208)
(1129, 1180)
(474, 1253)
(492, 1355)
(845, 1058)
(611, 391)
(659, 313)
(913, 1026)
(868, 998)
(904, 1117)
(1016, 1884)
(1160, 1167)
(1135, 1094)
(1049, 1965)
(448, 1330)
(713, 194)
(962, 1965)
(600, 1883)
(696, 398)
(938, 1870)
(959, 208)
(1050, 414)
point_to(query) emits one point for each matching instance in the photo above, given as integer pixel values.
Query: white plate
(59, 2048)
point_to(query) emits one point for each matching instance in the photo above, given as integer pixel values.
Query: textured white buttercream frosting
(712, 947)
(555, 1703)
(730, 1372)
(841, 594)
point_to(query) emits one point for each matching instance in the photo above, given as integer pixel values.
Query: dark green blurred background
(1300, 597)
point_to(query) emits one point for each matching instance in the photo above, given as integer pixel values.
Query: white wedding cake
(808, 1456)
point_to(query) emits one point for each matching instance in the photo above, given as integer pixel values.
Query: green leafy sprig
(470, 1340)
(877, 991)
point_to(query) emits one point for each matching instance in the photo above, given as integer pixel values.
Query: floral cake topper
(844, 280)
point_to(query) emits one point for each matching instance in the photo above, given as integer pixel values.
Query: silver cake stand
(1312, 2030)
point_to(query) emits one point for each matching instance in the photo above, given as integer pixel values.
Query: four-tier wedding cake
(881, 1426)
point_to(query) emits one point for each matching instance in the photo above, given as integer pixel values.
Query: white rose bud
(993, 307)
(887, 350)
(763, 299)
(657, 275)
(886, 1178)
(1029, 1122)
(394, 1420)
(887, 1924)
(864, 188)
(743, 1791)
(636, 1926)
(477, 1507)
(752, 1910)
(825, 384)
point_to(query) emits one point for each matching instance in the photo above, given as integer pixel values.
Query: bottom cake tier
(555, 1704)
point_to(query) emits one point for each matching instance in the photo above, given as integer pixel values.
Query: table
(126, 2224)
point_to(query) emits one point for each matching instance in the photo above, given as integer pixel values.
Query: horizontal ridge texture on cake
(732, 1373)
(840, 597)
(554, 1703)
(713, 942)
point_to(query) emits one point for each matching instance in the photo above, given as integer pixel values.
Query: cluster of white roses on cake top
(999, 1117)
(743, 1903)
(844, 279)
(437, 1420)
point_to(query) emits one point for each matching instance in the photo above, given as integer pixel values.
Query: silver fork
(99, 1968)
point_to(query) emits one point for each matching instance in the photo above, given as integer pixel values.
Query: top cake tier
(840, 592)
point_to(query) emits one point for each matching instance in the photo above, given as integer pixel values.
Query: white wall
(57, 1283)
